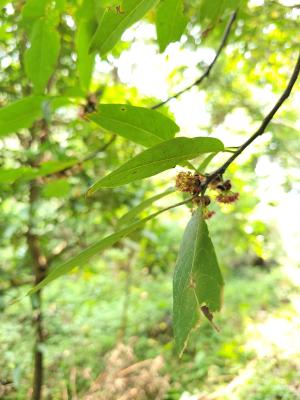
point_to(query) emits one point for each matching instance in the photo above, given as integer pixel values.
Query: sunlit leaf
(116, 20)
(41, 57)
(141, 125)
(158, 158)
(197, 280)
(170, 22)
(58, 188)
(20, 114)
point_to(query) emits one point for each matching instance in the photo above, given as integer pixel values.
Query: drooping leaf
(116, 20)
(135, 211)
(170, 22)
(158, 158)
(41, 57)
(20, 114)
(197, 280)
(96, 248)
(86, 26)
(141, 125)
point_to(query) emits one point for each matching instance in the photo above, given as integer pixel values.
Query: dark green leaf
(170, 22)
(116, 20)
(197, 280)
(41, 57)
(135, 211)
(141, 125)
(20, 114)
(158, 158)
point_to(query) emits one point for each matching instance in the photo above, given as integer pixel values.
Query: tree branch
(220, 171)
(208, 69)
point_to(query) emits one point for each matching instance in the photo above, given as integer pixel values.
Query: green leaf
(197, 280)
(94, 249)
(34, 9)
(86, 26)
(41, 57)
(170, 22)
(116, 20)
(20, 114)
(141, 125)
(58, 188)
(135, 211)
(202, 167)
(10, 175)
(158, 158)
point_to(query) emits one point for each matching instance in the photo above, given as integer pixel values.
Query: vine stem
(220, 171)
(208, 69)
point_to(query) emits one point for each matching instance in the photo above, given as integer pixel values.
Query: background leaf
(138, 124)
(158, 158)
(114, 23)
(170, 22)
(86, 26)
(41, 57)
(20, 114)
(197, 279)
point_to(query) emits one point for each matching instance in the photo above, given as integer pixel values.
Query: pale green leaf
(131, 215)
(197, 280)
(41, 57)
(202, 167)
(116, 20)
(170, 22)
(140, 125)
(158, 158)
(20, 114)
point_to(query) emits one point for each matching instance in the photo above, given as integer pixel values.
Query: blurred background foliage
(123, 297)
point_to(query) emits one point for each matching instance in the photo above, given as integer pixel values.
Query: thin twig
(220, 171)
(208, 69)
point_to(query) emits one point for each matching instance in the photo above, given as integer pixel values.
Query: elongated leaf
(116, 20)
(41, 57)
(86, 26)
(135, 211)
(170, 22)
(34, 9)
(202, 167)
(20, 114)
(197, 280)
(141, 125)
(94, 249)
(158, 158)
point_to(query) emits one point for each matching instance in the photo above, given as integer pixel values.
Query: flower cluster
(188, 182)
(196, 185)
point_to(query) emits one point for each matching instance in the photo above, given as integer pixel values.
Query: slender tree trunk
(40, 268)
